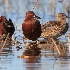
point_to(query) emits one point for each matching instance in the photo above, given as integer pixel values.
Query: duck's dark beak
(37, 17)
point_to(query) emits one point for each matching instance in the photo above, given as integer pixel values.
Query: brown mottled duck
(55, 28)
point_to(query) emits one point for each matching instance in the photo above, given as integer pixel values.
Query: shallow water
(9, 61)
(16, 9)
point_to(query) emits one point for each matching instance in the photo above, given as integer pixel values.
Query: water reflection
(62, 64)
(11, 62)
(6, 51)
(33, 64)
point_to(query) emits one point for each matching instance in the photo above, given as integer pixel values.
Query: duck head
(61, 16)
(31, 14)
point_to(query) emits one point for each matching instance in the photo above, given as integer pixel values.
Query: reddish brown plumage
(2, 30)
(6, 26)
(31, 26)
(2, 19)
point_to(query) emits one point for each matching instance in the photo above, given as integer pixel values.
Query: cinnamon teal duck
(55, 28)
(6, 26)
(31, 26)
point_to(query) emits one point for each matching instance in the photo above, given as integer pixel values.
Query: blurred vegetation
(18, 8)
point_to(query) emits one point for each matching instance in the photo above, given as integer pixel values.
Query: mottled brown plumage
(55, 28)
(31, 26)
